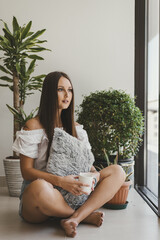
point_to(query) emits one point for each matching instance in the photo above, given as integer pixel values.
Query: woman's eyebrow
(63, 87)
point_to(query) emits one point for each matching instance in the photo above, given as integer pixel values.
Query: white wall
(91, 40)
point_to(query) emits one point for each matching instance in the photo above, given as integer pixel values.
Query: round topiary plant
(113, 122)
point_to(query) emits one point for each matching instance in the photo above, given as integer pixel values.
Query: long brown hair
(48, 108)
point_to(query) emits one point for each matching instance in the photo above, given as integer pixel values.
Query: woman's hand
(70, 184)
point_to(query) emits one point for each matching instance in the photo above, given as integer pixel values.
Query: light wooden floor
(136, 222)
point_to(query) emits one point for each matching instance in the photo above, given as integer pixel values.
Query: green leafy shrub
(113, 122)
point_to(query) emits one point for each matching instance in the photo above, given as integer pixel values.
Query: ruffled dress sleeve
(27, 142)
(82, 135)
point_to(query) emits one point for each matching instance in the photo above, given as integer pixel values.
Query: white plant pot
(13, 176)
(128, 167)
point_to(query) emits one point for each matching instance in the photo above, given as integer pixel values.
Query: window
(147, 175)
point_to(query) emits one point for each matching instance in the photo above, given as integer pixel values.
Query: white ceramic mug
(86, 178)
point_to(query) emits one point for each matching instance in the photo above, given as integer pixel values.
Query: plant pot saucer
(115, 206)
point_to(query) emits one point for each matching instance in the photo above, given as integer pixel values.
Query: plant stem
(15, 103)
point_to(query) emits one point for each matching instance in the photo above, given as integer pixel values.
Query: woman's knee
(118, 170)
(42, 184)
(32, 199)
(37, 187)
(115, 170)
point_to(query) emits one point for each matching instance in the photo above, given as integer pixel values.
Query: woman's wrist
(56, 180)
(59, 181)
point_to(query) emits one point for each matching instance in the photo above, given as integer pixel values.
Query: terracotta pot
(121, 196)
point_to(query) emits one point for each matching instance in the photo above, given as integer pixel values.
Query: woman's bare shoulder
(33, 124)
(77, 124)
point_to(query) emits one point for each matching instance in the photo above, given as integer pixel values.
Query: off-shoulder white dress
(34, 144)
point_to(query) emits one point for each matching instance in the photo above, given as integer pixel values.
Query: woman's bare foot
(69, 226)
(95, 218)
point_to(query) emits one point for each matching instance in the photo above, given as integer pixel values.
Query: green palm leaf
(5, 42)
(3, 69)
(4, 85)
(15, 25)
(26, 45)
(40, 76)
(26, 30)
(41, 41)
(29, 34)
(5, 25)
(21, 116)
(7, 79)
(31, 67)
(38, 49)
(13, 110)
(37, 34)
(18, 67)
(35, 57)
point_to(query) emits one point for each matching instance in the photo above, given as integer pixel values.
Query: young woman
(39, 197)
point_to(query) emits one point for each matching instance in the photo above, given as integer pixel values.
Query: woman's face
(64, 93)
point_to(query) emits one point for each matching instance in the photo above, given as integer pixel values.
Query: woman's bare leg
(95, 218)
(40, 200)
(111, 179)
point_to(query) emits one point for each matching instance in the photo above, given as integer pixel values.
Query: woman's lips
(65, 101)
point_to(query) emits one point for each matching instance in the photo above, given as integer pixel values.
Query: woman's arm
(30, 173)
(69, 183)
(27, 163)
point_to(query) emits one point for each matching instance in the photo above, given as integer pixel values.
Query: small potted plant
(113, 122)
(119, 200)
(19, 49)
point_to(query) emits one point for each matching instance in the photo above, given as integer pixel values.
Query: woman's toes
(69, 227)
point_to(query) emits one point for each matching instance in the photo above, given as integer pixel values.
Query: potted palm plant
(114, 123)
(19, 50)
